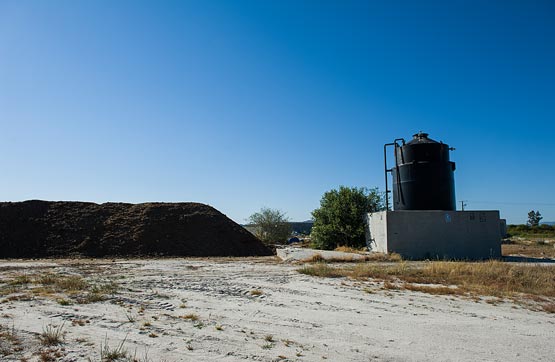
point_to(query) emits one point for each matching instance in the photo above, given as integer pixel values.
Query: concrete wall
(376, 238)
(436, 234)
(503, 227)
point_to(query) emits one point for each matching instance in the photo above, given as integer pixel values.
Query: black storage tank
(423, 175)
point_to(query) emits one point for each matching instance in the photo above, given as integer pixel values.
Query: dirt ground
(254, 309)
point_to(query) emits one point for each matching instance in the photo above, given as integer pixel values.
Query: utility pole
(463, 204)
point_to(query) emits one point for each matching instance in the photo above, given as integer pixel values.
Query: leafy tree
(534, 218)
(340, 219)
(271, 225)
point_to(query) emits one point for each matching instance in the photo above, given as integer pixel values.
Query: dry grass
(549, 307)
(9, 341)
(52, 335)
(109, 354)
(529, 249)
(191, 317)
(64, 289)
(316, 258)
(322, 270)
(392, 257)
(348, 249)
(256, 292)
(20, 280)
(432, 289)
(72, 283)
(50, 355)
(359, 257)
(484, 278)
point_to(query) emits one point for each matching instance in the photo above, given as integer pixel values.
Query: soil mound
(35, 228)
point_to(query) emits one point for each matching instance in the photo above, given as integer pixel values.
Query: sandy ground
(263, 310)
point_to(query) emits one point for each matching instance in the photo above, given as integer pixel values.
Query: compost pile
(35, 228)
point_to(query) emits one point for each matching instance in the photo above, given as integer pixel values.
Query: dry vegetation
(492, 278)
(65, 289)
(529, 248)
(316, 258)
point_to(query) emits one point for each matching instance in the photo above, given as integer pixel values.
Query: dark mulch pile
(32, 229)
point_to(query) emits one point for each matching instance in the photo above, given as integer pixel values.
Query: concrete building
(435, 234)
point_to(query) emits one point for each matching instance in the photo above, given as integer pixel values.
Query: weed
(287, 342)
(108, 354)
(321, 270)
(90, 298)
(63, 301)
(109, 288)
(52, 335)
(189, 347)
(131, 317)
(20, 280)
(153, 335)
(71, 283)
(13, 342)
(46, 279)
(190, 317)
(256, 292)
(267, 345)
(269, 338)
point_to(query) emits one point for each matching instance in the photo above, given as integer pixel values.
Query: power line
(512, 203)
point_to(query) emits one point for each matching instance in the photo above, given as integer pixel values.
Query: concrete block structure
(435, 234)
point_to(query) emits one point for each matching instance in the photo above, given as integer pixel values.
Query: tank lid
(419, 138)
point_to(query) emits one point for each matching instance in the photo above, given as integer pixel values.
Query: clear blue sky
(244, 104)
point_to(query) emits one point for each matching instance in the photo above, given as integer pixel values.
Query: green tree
(340, 220)
(534, 218)
(270, 225)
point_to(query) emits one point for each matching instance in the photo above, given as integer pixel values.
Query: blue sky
(244, 104)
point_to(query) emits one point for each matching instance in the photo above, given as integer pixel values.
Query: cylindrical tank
(423, 176)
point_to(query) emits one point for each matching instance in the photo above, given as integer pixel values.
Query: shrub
(340, 220)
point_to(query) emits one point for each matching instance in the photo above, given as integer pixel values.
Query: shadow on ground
(525, 259)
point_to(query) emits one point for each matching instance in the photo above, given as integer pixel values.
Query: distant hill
(552, 223)
(299, 227)
(302, 227)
